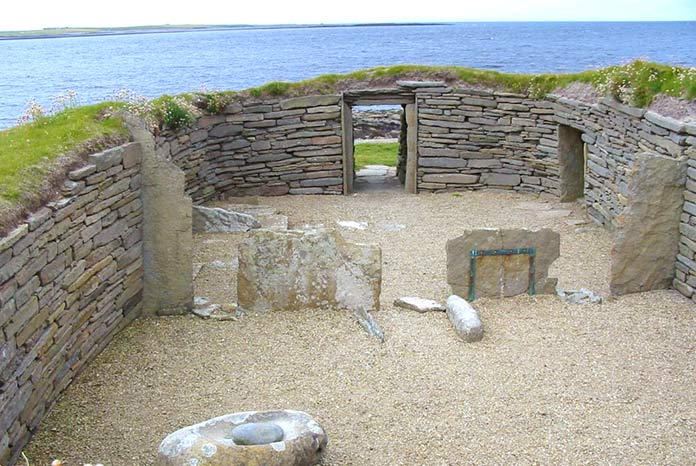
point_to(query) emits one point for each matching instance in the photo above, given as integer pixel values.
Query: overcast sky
(37, 14)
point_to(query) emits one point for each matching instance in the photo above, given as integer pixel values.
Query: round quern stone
(257, 433)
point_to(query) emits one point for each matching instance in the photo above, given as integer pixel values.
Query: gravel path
(551, 383)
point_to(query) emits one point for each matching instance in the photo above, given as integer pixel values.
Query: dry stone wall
(270, 147)
(71, 276)
(470, 139)
(685, 280)
(614, 135)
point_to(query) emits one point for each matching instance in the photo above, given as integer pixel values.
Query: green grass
(378, 153)
(27, 151)
(634, 83)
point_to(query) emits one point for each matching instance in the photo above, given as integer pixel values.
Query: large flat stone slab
(498, 276)
(646, 244)
(309, 269)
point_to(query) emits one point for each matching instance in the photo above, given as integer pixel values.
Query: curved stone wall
(466, 140)
(272, 147)
(71, 276)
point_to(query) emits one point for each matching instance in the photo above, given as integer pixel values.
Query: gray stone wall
(685, 279)
(470, 139)
(270, 147)
(615, 134)
(70, 278)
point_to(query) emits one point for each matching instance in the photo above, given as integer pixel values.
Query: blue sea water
(155, 64)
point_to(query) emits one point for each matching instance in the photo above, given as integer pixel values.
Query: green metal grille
(501, 252)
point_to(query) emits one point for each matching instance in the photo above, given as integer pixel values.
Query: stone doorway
(572, 162)
(379, 178)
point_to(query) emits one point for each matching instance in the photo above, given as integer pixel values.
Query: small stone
(199, 301)
(206, 312)
(352, 225)
(419, 304)
(581, 296)
(257, 433)
(465, 319)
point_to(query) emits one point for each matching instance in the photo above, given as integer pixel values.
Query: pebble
(257, 433)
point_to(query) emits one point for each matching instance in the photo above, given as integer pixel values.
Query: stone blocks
(498, 276)
(70, 277)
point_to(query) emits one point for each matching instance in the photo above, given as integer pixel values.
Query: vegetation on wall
(36, 153)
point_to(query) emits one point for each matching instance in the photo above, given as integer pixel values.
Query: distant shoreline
(59, 33)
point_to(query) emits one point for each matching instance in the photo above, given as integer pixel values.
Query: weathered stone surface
(315, 268)
(419, 304)
(647, 235)
(218, 220)
(167, 235)
(309, 101)
(453, 178)
(218, 442)
(502, 275)
(500, 179)
(571, 160)
(465, 319)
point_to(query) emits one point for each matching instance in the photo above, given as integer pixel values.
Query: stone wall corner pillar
(167, 232)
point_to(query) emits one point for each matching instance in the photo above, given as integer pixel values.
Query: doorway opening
(572, 162)
(379, 142)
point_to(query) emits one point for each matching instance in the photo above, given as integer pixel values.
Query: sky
(38, 14)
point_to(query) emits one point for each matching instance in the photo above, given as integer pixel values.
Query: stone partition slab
(309, 269)
(498, 276)
(270, 147)
(647, 235)
(71, 276)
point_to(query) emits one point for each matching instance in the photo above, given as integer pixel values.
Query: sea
(96, 68)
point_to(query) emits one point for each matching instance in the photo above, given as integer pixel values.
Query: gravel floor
(551, 383)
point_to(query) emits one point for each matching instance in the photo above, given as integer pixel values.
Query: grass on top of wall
(35, 155)
(376, 153)
(635, 83)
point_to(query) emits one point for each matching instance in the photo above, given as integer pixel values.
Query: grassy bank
(376, 153)
(34, 155)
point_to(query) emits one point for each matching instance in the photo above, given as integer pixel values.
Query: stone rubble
(218, 220)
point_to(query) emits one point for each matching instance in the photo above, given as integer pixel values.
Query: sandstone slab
(309, 269)
(419, 304)
(269, 438)
(506, 275)
(647, 233)
(218, 220)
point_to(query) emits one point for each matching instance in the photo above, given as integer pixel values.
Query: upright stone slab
(309, 269)
(647, 236)
(508, 275)
(167, 232)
